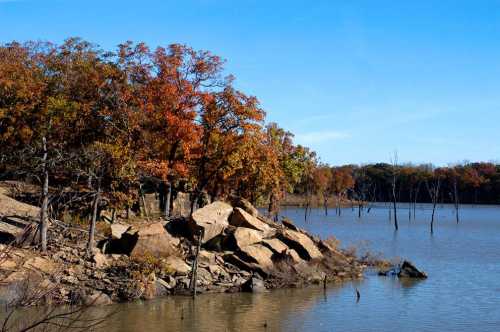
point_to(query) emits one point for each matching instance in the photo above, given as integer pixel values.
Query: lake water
(462, 292)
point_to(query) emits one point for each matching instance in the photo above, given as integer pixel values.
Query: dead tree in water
(394, 178)
(456, 199)
(415, 198)
(434, 190)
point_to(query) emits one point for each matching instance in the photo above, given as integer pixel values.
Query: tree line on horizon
(467, 183)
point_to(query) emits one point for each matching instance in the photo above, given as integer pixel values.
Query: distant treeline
(470, 183)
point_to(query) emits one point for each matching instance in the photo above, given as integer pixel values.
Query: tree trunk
(194, 265)
(457, 201)
(394, 204)
(168, 197)
(409, 204)
(45, 198)
(432, 218)
(95, 207)
(143, 199)
(325, 204)
(395, 214)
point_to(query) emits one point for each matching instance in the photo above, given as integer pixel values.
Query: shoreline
(159, 263)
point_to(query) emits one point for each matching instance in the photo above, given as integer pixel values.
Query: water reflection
(222, 312)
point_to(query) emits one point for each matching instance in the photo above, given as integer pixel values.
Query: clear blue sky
(354, 80)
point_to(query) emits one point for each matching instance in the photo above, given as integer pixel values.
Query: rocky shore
(229, 244)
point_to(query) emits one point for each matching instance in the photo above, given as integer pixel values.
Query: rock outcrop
(239, 202)
(117, 230)
(245, 236)
(258, 254)
(277, 246)
(301, 243)
(254, 285)
(212, 219)
(241, 251)
(408, 270)
(241, 218)
(145, 239)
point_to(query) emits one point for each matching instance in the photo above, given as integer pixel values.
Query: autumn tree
(229, 122)
(322, 182)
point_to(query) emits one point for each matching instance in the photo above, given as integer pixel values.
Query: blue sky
(354, 80)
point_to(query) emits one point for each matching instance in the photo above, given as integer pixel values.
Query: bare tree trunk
(415, 198)
(456, 201)
(325, 204)
(143, 199)
(409, 204)
(168, 197)
(95, 207)
(434, 193)
(307, 207)
(45, 198)
(194, 266)
(395, 211)
(394, 181)
(432, 218)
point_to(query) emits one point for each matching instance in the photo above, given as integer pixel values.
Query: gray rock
(253, 285)
(408, 270)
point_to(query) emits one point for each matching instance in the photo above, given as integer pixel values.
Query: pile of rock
(240, 251)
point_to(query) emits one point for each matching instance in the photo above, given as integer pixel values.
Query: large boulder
(12, 207)
(96, 298)
(408, 270)
(241, 218)
(258, 254)
(289, 224)
(301, 243)
(10, 233)
(245, 236)
(177, 266)
(145, 239)
(117, 230)
(244, 204)
(40, 264)
(277, 246)
(212, 219)
(253, 285)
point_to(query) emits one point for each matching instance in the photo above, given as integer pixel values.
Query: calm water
(462, 292)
